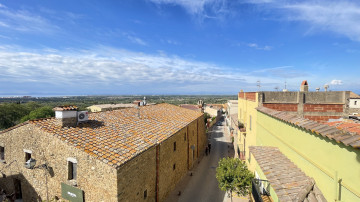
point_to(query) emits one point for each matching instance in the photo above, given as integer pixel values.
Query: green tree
(10, 114)
(42, 112)
(233, 176)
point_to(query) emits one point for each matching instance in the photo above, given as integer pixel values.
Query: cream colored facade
(107, 107)
(247, 116)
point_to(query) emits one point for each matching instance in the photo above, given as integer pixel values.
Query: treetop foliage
(234, 176)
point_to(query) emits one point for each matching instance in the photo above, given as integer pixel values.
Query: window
(2, 153)
(174, 146)
(174, 166)
(72, 169)
(145, 194)
(27, 155)
(355, 102)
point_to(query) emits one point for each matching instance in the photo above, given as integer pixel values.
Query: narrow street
(202, 185)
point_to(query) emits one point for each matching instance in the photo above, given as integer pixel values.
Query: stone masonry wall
(173, 163)
(95, 178)
(137, 176)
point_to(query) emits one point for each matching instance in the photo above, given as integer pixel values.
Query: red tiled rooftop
(115, 137)
(347, 132)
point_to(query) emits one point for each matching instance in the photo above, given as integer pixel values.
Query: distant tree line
(17, 110)
(15, 113)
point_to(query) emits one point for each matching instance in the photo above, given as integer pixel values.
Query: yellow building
(302, 133)
(246, 136)
(322, 151)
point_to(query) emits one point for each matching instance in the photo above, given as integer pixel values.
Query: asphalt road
(202, 185)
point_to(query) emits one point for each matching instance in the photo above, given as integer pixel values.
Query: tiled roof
(287, 180)
(191, 107)
(348, 138)
(354, 95)
(304, 83)
(115, 137)
(66, 108)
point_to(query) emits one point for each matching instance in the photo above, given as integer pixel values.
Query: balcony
(261, 190)
(241, 127)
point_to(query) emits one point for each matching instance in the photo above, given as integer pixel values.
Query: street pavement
(202, 185)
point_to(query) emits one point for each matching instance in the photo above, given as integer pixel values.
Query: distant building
(197, 108)
(354, 103)
(134, 154)
(214, 110)
(107, 107)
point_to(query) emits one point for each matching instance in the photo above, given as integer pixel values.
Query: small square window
(27, 156)
(145, 194)
(2, 153)
(355, 102)
(174, 166)
(174, 146)
(72, 170)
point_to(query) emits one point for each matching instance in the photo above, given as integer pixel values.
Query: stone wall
(137, 176)
(95, 178)
(174, 162)
(99, 181)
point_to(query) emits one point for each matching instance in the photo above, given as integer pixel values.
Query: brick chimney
(66, 116)
(304, 86)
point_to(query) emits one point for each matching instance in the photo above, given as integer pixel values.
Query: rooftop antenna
(258, 84)
(276, 88)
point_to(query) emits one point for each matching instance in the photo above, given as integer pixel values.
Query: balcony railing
(260, 188)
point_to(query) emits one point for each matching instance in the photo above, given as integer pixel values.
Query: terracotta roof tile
(345, 131)
(287, 180)
(117, 136)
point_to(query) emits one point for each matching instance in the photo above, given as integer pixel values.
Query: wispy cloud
(201, 9)
(339, 17)
(135, 39)
(25, 21)
(105, 66)
(256, 46)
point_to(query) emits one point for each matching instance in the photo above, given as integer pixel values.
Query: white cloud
(135, 39)
(341, 17)
(336, 82)
(25, 21)
(104, 66)
(199, 8)
(256, 46)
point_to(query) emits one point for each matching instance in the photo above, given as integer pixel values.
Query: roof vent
(66, 116)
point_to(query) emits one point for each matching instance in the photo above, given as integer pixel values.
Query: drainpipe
(157, 172)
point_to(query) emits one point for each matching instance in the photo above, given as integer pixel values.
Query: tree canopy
(234, 176)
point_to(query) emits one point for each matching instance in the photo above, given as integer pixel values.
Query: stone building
(354, 104)
(133, 154)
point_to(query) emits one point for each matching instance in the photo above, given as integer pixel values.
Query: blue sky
(177, 46)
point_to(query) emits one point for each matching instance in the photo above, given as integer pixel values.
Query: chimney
(66, 116)
(317, 89)
(304, 86)
(326, 87)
